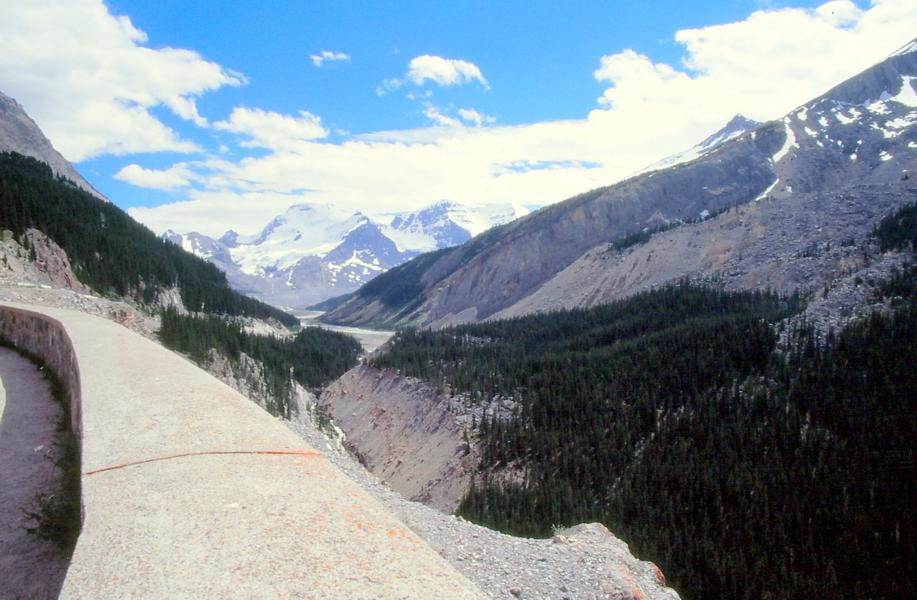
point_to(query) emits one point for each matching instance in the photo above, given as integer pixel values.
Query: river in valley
(370, 339)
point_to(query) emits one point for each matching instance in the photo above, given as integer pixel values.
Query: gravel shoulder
(582, 562)
(30, 567)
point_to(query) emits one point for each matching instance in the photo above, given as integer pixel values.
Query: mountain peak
(229, 239)
(736, 126)
(741, 121)
(886, 78)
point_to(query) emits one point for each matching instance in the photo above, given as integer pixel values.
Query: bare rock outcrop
(585, 561)
(403, 431)
(36, 259)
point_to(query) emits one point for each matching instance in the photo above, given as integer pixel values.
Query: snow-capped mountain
(313, 252)
(446, 224)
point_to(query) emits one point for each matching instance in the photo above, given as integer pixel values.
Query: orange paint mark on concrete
(300, 453)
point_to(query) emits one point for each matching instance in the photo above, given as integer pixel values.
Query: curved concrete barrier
(46, 338)
(192, 491)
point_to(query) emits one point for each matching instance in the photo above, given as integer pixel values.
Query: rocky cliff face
(405, 433)
(586, 561)
(36, 260)
(844, 153)
(19, 133)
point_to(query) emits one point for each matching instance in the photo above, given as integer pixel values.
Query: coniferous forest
(109, 251)
(313, 357)
(743, 468)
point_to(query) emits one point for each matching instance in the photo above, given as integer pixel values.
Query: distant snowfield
(303, 230)
(312, 252)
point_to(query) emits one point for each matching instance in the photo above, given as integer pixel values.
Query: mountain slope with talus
(823, 174)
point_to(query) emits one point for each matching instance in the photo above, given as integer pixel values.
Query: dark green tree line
(313, 357)
(745, 472)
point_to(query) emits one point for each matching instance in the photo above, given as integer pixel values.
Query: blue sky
(538, 56)
(208, 115)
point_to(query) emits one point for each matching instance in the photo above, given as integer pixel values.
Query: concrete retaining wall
(47, 339)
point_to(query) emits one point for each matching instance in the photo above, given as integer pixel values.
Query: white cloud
(762, 66)
(268, 129)
(176, 176)
(328, 56)
(439, 118)
(840, 12)
(443, 71)
(240, 211)
(388, 85)
(88, 79)
(472, 116)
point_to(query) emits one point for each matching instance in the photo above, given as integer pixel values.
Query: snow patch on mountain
(906, 96)
(788, 144)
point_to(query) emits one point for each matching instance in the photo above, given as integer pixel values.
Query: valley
(695, 381)
(370, 339)
(694, 357)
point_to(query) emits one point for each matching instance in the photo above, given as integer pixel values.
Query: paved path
(30, 567)
(192, 491)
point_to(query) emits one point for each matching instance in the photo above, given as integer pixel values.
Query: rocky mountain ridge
(856, 142)
(736, 126)
(19, 133)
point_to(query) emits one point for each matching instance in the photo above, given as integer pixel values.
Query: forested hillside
(313, 358)
(743, 471)
(110, 252)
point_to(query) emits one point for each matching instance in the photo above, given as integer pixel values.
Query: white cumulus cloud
(266, 129)
(90, 81)
(328, 56)
(472, 116)
(443, 71)
(439, 118)
(176, 176)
